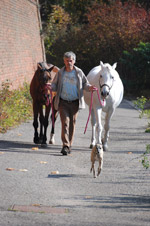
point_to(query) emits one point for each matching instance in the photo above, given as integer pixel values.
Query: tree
(111, 27)
(57, 26)
(138, 63)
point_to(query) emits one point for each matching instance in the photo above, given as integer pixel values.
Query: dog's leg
(92, 168)
(100, 166)
(94, 173)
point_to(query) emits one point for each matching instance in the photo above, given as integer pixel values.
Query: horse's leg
(45, 123)
(108, 117)
(93, 124)
(98, 112)
(52, 134)
(35, 123)
(41, 118)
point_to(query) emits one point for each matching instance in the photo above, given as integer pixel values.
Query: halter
(44, 90)
(109, 87)
(101, 86)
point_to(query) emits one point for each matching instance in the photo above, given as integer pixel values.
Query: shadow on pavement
(21, 147)
(124, 203)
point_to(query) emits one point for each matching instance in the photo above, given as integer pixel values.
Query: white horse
(110, 88)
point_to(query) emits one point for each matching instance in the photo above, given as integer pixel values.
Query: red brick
(20, 41)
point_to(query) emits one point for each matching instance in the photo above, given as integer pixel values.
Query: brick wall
(20, 41)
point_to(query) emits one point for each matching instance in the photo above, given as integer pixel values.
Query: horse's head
(44, 75)
(107, 74)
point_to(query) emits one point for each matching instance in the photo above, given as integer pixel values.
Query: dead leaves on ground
(10, 169)
(13, 169)
(43, 162)
(55, 172)
(23, 170)
(35, 148)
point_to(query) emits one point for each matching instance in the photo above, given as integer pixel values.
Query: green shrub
(15, 106)
(137, 61)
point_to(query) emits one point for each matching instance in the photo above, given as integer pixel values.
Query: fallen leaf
(1, 153)
(19, 134)
(36, 204)
(23, 170)
(43, 162)
(129, 152)
(55, 172)
(88, 197)
(35, 148)
(10, 169)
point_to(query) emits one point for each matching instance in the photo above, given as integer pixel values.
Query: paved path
(120, 196)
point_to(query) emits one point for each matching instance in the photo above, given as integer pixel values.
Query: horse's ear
(39, 65)
(101, 63)
(114, 66)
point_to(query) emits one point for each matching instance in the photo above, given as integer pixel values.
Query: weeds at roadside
(146, 157)
(15, 106)
(140, 103)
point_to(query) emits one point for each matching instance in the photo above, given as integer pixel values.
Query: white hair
(70, 54)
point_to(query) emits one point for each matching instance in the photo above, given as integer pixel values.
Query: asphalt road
(30, 194)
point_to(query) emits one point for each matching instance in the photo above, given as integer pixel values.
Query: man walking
(69, 84)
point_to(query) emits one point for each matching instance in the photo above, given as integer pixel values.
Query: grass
(140, 103)
(15, 106)
(146, 157)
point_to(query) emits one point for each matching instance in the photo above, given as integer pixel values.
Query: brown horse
(42, 96)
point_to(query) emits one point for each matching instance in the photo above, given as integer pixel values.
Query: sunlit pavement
(41, 187)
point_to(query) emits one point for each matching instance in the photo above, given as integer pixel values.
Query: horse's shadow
(29, 148)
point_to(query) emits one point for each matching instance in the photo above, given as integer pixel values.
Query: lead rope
(47, 86)
(52, 107)
(102, 104)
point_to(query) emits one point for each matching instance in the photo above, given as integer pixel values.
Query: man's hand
(92, 88)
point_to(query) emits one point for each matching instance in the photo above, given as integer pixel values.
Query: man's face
(69, 63)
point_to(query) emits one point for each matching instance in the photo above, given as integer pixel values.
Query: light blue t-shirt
(69, 86)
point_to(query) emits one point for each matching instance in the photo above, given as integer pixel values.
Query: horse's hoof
(51, 142)
(36, 140)
(105, 148)
(52, 138)
(44, 145)
(40, 140)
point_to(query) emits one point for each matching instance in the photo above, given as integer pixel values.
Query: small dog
(97, 155)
